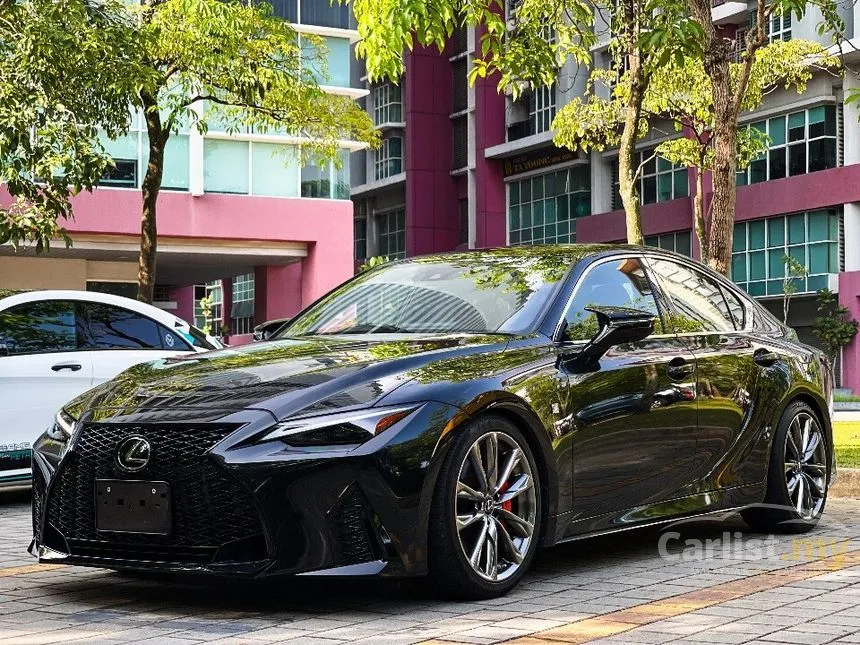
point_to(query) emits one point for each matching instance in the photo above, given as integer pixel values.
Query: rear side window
(39, 327)
(173, 340)
(697, 300)
(112, 327)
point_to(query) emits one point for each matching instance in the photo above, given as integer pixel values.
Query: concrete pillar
(601, 183)
(277, 291)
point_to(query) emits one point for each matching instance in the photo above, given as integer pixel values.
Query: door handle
(679, 369)
(74, 367)
(765, 358)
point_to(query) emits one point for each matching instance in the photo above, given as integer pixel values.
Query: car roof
(159, 315)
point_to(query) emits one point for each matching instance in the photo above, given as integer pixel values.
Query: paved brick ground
(609, 590)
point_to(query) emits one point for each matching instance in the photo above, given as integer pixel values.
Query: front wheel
(485, 519)
(798, 475)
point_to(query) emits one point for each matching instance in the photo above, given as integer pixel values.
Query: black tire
(450, 569)
(779, 513)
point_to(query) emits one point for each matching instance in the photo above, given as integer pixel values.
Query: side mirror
(616, 326)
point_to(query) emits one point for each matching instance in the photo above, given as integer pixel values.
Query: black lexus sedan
(447, 415)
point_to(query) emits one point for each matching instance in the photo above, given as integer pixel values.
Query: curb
(847, 484)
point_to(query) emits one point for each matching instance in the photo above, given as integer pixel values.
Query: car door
(711, 321)
(634, 418)
(118, 338)
(41, 368)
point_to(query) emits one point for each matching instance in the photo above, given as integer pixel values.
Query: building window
(242, 311)
(659, 181)
(759, 247)
(779, 28)
(324, 13)
(544, 209)
(199, 316)
(678, 242)
(359, 234)
(388, 160)
(799, 143)
(391, 227)
(542, 108)
(387, 104)
(215, 293)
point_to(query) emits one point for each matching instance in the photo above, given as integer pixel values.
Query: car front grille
(349, 524)
(210, 508)
(38, 498)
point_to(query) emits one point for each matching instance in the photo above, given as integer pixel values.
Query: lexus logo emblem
(132, 454)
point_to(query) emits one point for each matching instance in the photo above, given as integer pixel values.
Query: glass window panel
(819, 258)
(758, 171)
(274, 170)
(797, 126)
(338, 61)
(561, 208)
(649, 190)
(515, 192)
(816, 122)
(650, 166)
(739, 268)
(756, 234)
(537, 213)
(818, 226)
(176, 162)
(316, 180)
(514, 217)
(741, 178)
(40, 327)
(777, 163)
(798, 253)
(797, 159)
(664, 187)
(816, 283)
(526, 215)
(776, 232)
(757, 268)
(776, 130)
(797, 229)
(682, 243)
(537, 188)
(525, 191)
(124, 147)
(341, 176)
(761, 126)
(774, 287)
(833, 225)
(663, 165)
(581, 204)
(225, 166)
(776, 265)
(549, 211)
(550, 185)
(698, 300)
(822, 154)
(757, 288)
(682, 185)
(739, 238)
(830, 120)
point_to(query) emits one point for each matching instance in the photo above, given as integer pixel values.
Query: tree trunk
(722, 224)
(699, 214)
(149, 190)
(628, 169)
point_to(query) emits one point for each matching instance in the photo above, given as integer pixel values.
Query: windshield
(459, 293)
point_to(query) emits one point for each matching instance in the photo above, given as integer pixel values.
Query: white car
(55, 345)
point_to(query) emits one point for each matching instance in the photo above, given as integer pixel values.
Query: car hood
(284, 377)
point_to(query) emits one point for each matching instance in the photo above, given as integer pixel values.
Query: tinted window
(115, 328)
(39, 327)
(173, 340)
(616, 283)
(698, 301)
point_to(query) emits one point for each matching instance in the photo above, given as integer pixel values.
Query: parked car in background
(55, 345)
(269, 328)
(448, 415)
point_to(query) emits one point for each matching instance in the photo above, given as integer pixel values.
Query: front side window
(112, 327)
(616, 283)
(502, 291)
(39, 328)
(698, 301)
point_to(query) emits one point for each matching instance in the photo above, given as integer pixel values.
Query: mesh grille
(38, 498)
(348, 520)
(210, 508)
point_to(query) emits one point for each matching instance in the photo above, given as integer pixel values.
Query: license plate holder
(124, 506)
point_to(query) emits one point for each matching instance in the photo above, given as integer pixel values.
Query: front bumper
(242, 508)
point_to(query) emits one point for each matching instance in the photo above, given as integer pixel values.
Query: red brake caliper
(506, 505)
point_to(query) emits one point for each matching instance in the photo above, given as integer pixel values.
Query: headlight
(63, 426)
(345, 428)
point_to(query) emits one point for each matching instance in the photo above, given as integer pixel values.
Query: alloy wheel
(496, 506)
(805, 465)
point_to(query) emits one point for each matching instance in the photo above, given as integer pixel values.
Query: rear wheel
(485, 519)
(797, 479)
